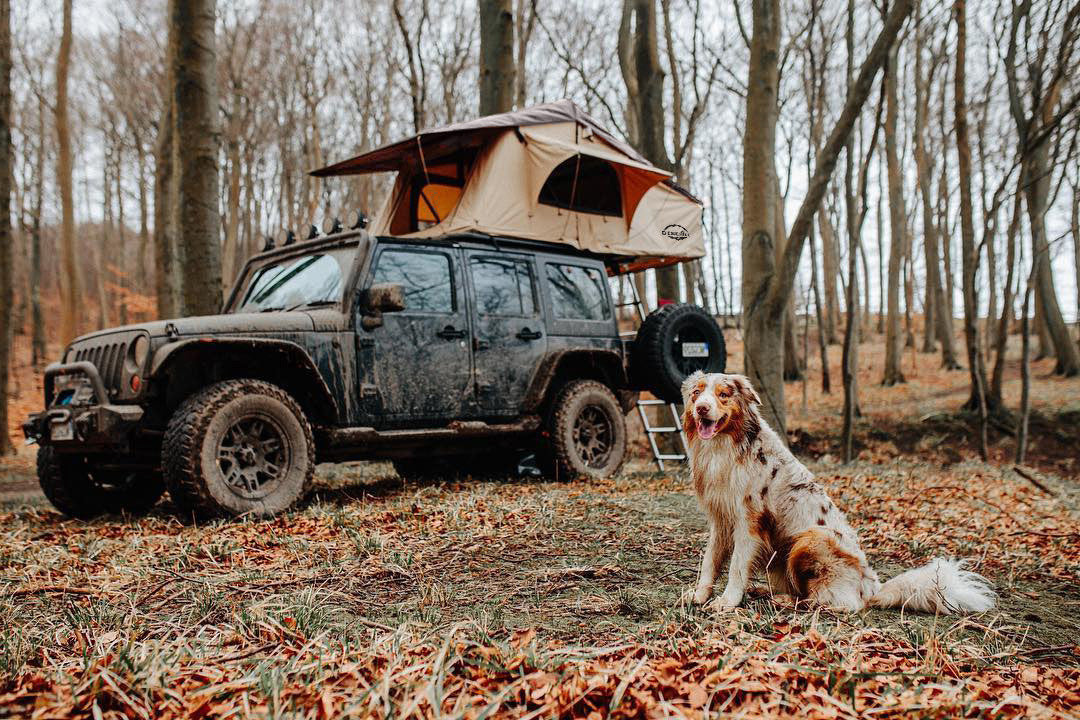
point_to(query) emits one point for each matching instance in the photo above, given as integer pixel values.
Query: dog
(766, 512)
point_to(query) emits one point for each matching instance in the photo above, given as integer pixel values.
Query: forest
(891, 220)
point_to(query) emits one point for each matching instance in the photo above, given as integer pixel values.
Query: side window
(503, 287)
(577, 293)
(427, 277)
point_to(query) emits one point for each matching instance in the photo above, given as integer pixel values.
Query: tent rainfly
(547, 173)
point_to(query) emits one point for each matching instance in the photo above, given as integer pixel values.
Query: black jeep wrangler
(455, 355)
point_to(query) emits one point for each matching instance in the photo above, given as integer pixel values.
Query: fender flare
(288, 351)
(608, 362)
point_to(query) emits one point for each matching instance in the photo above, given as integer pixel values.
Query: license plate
(695, 350)
(62, 431)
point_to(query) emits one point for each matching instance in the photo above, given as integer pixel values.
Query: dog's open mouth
(706, 428)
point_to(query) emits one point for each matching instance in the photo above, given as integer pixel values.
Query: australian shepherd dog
(766, 513)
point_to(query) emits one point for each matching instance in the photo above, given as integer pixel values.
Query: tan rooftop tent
(548, 173)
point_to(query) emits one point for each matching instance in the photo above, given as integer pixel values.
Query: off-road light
(313, 233)
(139, 350)
(332, 226)
(269, 245)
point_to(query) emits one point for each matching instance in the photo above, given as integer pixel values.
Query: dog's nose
(701, 410)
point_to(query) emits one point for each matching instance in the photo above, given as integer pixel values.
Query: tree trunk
(497, 72)
(232, 212)
(69, 281)
(970, 256)
(762, 330)
(897, 229)
(6, 235)
(198, 136)
(1001, 337)
(822, 343)
(1076, 250)
(166, 261)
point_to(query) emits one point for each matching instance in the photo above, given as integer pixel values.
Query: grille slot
(108, 358)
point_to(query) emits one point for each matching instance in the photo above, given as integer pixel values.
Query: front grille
(108, 358)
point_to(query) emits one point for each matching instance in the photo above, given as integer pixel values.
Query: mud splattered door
(422, 355)
(510, 334)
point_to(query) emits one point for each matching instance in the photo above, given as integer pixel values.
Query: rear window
(503, 287)
(578, 293)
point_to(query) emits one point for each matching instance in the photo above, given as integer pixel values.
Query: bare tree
(967, 226)
(897, 226)
(497, 71)
(197, 134)
(69, 286)
(6, 239)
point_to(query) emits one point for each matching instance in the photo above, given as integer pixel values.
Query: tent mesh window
(584, 184)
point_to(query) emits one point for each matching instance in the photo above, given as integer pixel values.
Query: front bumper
(83, 417)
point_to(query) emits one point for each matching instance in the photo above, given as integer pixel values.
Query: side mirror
(379, 299)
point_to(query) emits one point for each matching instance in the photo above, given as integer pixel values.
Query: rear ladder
(652, 431)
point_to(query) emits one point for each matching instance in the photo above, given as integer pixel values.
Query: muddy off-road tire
(79, 490)
(660, 362)
(586, 432)
(238, 447)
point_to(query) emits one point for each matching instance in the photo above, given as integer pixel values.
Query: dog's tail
(941, 586)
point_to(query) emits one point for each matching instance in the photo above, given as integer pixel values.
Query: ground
(535, 599)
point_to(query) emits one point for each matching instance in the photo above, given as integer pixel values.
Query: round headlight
(140, 349)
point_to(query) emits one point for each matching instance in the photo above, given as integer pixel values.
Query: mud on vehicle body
(455, 354)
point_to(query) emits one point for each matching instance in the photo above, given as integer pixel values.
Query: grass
(380, 597)
(521, 598)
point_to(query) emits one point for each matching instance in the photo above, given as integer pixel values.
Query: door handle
(527, 334)
(450, 333)
(479, 344)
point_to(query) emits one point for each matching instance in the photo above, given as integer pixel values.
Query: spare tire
(673, 342)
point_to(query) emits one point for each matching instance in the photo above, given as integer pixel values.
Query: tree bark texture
(969, 254)
(198, 137)
(497, 71)
(69, 271)
(6, 235)
(897, 228)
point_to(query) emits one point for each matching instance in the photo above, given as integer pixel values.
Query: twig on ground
(1027, 475)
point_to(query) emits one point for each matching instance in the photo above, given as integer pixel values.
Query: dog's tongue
(706, 430)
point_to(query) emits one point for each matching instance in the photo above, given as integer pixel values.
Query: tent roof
(441, 141)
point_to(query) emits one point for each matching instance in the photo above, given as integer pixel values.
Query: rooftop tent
(547, 173)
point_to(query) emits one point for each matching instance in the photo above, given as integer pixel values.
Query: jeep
(458, 354)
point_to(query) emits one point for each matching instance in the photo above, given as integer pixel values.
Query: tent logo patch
(676, 233)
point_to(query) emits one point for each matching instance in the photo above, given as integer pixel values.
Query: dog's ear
(745, 390)
(689, 384)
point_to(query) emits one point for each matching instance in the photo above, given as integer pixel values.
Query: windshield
(296, 282)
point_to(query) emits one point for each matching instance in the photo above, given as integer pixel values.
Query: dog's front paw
(730, 599)
(696, 595)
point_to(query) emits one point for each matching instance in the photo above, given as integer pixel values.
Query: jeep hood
(226, 324)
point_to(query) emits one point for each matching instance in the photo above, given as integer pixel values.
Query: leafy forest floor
(526, 598)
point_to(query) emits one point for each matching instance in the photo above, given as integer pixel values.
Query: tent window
(584, 184)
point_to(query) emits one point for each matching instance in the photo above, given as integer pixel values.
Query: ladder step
(670, 429)
(652, 402)
(670, 457)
